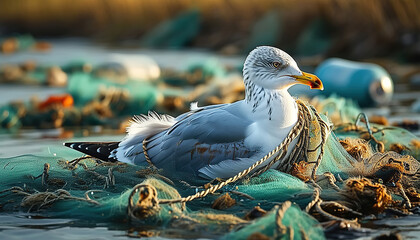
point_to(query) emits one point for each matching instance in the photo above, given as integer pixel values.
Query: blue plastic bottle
(366, 83)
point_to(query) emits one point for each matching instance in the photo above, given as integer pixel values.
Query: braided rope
(329, 216)
(317, 203)
(324, 128)
(292, 135)
(280, 215)
(300, 151)
(407, 202)
(287, 142)
(315, 199)
(147, 203)
(276, 159)
(302, 124)
(146, 155)
(307, 139)
(301, 145)
(332, 180)
(336, 204)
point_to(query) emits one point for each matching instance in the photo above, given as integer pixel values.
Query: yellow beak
(309, 79)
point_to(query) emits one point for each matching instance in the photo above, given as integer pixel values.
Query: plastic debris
(10, 117)
(56, 77)
(86, 87)
(22, 43)
(367, 84)
(65, 101)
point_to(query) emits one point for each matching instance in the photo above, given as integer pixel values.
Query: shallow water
(23, 226)
(409, 226)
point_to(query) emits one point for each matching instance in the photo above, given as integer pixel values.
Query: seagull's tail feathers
(101, 150)
(130, 149)
(150, 124)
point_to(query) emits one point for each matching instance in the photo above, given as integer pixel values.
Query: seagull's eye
(276, 64)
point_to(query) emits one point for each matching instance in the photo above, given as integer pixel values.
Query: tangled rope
(42, 199)
(324, 128)
(317, 202)
(293, 134)
(380, 147)
(146, 205)
(281, 150)
(279, 217)
(300, 150)
(146, 155)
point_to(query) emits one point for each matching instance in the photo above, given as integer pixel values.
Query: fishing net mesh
(86, 188)
(393, 138)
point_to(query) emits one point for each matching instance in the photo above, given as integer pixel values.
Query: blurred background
(351, 29)
(94, 63)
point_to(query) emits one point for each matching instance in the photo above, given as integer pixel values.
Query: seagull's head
(272, 68)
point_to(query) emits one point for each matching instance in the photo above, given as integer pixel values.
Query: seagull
(216, 141)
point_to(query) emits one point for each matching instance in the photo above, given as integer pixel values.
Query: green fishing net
(338, 109)
(344, 114)
(293, 224)
(61, 186)
(84, 87)
(393, 138)
(63, 195)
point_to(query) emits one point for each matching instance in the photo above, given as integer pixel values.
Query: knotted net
(254, 203)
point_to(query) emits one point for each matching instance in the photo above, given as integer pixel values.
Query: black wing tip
(73, 145)
(101, 150)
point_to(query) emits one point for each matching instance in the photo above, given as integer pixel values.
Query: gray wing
(200, 138)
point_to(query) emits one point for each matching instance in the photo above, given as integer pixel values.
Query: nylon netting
(62, 187)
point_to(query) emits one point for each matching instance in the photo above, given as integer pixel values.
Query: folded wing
(199, 138)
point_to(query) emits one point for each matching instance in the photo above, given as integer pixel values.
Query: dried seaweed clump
(357, 148)
(223, 202)
(413, 195)
(363, 195)
(398, 148)
(415, 143)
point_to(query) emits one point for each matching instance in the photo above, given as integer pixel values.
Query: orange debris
(65, 100)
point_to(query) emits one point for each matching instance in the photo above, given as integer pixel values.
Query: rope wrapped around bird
(301, 130)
